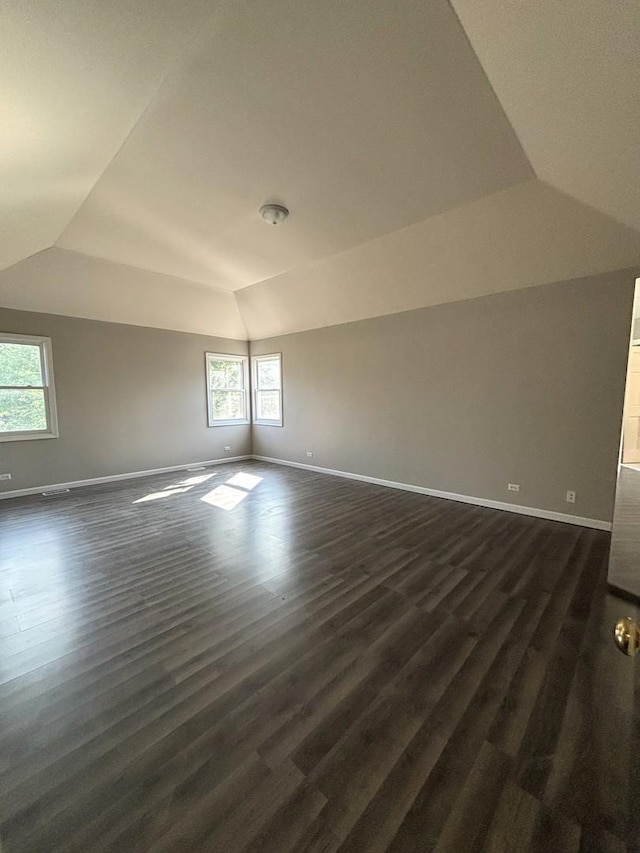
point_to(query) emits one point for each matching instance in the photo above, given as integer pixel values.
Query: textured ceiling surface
(410, 141)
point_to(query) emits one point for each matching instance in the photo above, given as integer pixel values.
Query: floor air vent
(54, 492)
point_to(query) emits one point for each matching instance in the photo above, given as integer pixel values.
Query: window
(227, 389)
(267, 389)
(27, 396)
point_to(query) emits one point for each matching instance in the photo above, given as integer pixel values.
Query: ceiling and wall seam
(71, 284)
(163, 275)
(22, 260)
(632, 273)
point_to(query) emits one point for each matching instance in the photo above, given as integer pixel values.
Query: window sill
(27, 436)
(228, 423)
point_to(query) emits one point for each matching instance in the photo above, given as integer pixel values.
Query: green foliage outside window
(227, 389)
(22, 409)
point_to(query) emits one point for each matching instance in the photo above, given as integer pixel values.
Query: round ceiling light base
(274, 214)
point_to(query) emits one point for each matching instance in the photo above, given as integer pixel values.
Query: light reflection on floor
(36, 611)
(39, 615)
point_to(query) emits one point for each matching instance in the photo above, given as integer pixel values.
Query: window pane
(217, 374)
(269, 374)
(234, 374)
(226, 374)
(22, 411)
(20, 364)
(268, 405)
(228, 405)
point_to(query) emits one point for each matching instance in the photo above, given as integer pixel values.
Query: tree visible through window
(267, 389)
(227, 389)
(27, 405)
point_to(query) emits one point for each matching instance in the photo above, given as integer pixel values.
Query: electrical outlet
(5, 476)
(571, 497)
(227, 447)
(513, 487)
(309, 454)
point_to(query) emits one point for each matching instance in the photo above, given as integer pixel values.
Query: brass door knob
(627, 636)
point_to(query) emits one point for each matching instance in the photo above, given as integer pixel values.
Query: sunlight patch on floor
(224, 497)
(170, 490)
(194, 481)
(245, 481)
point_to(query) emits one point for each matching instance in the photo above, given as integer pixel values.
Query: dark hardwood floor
(277, 660)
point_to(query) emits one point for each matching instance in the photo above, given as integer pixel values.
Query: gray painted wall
(129, 399)
(523, 387)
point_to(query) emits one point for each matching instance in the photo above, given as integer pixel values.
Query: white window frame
(238, 359)
(48, 388)
(255, 359)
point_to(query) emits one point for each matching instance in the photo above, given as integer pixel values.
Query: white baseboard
(36, 490)
(595, 523)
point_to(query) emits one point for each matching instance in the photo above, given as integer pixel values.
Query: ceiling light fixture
(274, 214)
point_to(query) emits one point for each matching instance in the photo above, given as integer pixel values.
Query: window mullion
(22, 387)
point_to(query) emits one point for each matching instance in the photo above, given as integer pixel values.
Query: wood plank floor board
(418, 575)
(91, 666)
(129, 824)
(434, 662)
(514, 821)
(591, 769)
(539, 740)
(425, 682)
(461, 720)
(329, 666)
(469, 821)
(555, 833)
(181, 715)
(513, 717)
(314, 726)
(76, 725)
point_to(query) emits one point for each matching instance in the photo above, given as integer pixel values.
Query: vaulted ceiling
(427, 151)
